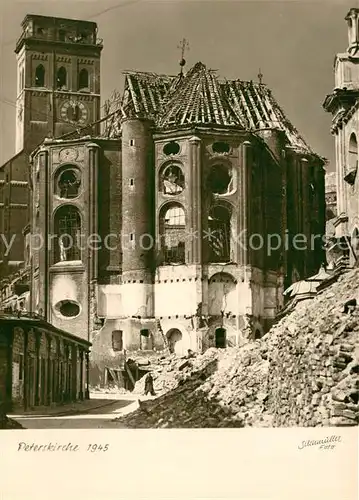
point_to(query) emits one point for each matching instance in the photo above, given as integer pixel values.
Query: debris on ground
(303, 372)
(7, 423)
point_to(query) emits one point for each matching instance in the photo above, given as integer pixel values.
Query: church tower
(58, 78)
(343, 104)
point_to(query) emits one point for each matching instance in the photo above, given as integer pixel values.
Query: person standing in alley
(149, 385)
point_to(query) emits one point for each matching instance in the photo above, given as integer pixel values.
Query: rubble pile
(184, 406)
(169, 372)
(7, 423)
(303, 372)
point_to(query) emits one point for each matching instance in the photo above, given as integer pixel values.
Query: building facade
(331, 195)
(173, 226)
(343, 104)
(58, 89)
(40, 365)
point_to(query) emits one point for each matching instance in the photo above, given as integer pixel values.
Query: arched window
(40, 76)
(67, 183)
(353, 152)
(219, 232)
(67, 226)
(220, 179)
(172, 231)
(172, 180)
(61, 78)
(83, 79)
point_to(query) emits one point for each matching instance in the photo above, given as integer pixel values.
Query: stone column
(244, 225)
(81, 394)
(49, 383)
(87, 389)
(44, 256)
(194, 223)
(92, 264)
(37, 374)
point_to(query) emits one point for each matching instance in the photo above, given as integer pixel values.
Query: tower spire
(183, 46)
(352, 19)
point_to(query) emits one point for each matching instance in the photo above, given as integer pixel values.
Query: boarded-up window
(117, 340)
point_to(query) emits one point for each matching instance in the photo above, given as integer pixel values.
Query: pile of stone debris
(170, 371)
(303, 372)
(8, 423)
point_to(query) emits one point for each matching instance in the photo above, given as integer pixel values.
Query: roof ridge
(199, 97)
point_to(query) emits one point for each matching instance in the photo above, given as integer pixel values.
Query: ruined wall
(351, 192)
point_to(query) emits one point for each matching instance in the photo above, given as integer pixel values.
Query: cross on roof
(260, 76)
(184, 45)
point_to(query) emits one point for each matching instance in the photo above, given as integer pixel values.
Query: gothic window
(61, 78)
(68, 183)
(353, 152)
(219, 232)
(83, 79)
(67, 226)
(220, 179)
(172, 180)
(40, 76)
(172, 229)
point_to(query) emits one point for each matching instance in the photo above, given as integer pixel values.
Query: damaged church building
(343, 104)
(174, 181)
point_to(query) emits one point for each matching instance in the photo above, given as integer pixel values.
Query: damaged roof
(200, 98)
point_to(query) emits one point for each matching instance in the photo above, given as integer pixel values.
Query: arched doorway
(221, 337)
(174, 337)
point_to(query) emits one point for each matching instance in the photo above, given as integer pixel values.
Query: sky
(293, 43)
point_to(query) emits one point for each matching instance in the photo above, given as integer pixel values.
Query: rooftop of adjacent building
(33, 320)
(330, 181)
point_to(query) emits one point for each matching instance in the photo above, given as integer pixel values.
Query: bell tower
(352, 19)
(58, 78)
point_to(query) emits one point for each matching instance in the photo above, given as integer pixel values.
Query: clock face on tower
(74, 112)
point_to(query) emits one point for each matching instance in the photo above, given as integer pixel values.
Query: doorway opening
(174, 337)
(221, 335)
